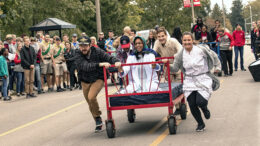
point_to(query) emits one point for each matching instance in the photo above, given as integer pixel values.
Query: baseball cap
(84, 40)
(74, 35)
(101, 33)
(125, 42)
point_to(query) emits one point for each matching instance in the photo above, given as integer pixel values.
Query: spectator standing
(151, 38)
(74, 43)
(19, 72)
(226, 43)
(196, 29)
(94, 42)
(37, 49)
(101, 41)
(239, 42)
(59, 64)
(133, 33)
(205, 36)
(28, 61)
(4, 73)
(109, 44)
(257, 41)
(253, 38)
(69, 57)
(90, 62)
(46, 62)
(177, 34)
(12, 51)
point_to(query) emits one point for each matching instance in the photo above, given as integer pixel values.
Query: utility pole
(224, 15)
(98, 17)
(193, 13)
(251, 16)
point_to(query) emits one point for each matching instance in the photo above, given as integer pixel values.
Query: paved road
(64, 119)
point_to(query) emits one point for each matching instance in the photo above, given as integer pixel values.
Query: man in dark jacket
(28, 61)
(101, 41)
(196, 29)
(90, 62)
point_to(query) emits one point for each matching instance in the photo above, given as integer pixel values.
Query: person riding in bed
(142, 78)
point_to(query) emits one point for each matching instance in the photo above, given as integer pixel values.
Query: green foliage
(236, 14)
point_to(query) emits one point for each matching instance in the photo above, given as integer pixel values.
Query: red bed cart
(110, 124)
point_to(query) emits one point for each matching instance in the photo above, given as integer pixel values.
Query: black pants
(195, 101)
(73, 79)
(226, 56)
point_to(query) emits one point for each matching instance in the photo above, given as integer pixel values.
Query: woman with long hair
(19, 71)
(177, 34)
(151, 39)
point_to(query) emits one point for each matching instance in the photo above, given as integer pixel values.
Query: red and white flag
(187, 3)
(196, 3)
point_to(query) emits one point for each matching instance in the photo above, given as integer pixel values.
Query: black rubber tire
(131, 115)
(183, 111)
(172, 125)
(111, 131)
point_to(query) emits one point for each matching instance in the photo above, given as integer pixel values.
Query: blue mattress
(148, 99)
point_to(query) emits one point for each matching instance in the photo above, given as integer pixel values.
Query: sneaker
(206, 113)
(59, 89)
(68, 87)
(41, 92)
(98, 129)
(226, 75)
(64, 85)
(50, 89)
(235, 69)
(200, 128)
(22, 94)
(32, 95)
(18, 94)
(98, 124)
(7, 98)
(243, 69)
(80, 87)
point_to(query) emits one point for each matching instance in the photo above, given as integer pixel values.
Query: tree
(217, 13)
(236, 14)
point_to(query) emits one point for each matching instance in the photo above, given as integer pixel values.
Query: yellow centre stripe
(46, 117)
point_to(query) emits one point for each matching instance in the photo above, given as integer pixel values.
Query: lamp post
(98, 17)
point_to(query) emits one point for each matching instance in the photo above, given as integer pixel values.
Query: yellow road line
(46, 117)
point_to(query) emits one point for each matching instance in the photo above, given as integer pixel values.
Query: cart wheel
(183, 111)
(131, 115)
(172, 125)
(111, 131)
(220, 74)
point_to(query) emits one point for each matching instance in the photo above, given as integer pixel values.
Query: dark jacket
(150, 43)
(213, 34)
(28, 57)
(209, 37)
(69, 57)
(196, 29)
(101, 44)
(253, 38)
(88, 65)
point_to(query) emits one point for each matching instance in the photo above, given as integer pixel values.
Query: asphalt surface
(64, 119)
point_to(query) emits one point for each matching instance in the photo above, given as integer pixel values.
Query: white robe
(136, 84)
(196, 67)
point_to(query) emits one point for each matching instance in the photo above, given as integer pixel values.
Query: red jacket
(239, 38)
(16, 59)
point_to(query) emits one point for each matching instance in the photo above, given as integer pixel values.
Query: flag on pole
(187, 3)
(196, 3)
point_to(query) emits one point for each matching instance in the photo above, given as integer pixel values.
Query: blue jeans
(241, 50)
(20, 82)
(5, 87)
(38, 76)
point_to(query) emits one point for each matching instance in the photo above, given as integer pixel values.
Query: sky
(228, 3)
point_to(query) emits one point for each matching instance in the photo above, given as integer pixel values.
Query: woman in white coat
(142, 78)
